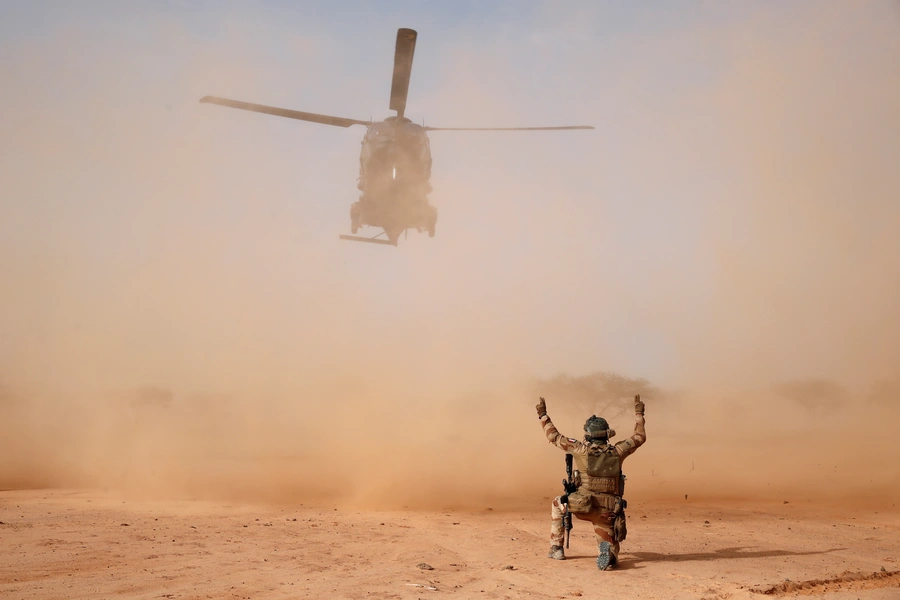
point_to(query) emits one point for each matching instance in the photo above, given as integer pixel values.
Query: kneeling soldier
(600, 482)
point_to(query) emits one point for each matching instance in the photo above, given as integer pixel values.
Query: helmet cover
(596, 427)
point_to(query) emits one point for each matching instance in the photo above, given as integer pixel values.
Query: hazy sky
(732, 216)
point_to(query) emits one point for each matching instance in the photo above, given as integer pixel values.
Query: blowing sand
(70, 544)
(722, 504)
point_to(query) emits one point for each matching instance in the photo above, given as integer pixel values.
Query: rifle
(619, 530)
(569, 487)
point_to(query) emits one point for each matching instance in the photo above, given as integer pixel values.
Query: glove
(638, 405)
(541, 408)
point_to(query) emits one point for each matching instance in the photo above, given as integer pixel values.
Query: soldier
(598, 498)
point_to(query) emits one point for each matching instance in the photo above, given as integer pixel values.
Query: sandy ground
(87, 544)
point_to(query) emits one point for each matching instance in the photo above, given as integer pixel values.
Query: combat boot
(605, 559)
(557, 553)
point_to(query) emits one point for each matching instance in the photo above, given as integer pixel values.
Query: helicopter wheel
(354, 218)
(432, 223)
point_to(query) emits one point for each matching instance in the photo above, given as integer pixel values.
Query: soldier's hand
(638, 405)
(541, 408)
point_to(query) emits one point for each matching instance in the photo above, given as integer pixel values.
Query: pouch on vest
(576, 478)
(603, 461)
(579, 503)
(605, 502)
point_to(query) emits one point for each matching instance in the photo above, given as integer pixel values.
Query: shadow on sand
(634, 559)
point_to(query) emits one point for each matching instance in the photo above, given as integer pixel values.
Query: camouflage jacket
(579, 449)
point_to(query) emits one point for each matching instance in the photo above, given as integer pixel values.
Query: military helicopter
(395, 161)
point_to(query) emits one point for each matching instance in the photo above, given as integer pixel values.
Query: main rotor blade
(403, 58)
(283, 112)
(508, 128)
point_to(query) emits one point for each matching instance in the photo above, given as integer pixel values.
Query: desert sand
(165, 497)
(83, 544)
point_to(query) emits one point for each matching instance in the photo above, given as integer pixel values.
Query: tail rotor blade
(403, 59)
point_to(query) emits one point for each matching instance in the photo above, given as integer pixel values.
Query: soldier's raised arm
(628, 446)
(553, 435)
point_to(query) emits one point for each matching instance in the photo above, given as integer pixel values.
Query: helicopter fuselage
(394, 178)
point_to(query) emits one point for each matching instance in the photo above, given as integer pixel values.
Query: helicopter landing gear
(432, 221)
(354, 217)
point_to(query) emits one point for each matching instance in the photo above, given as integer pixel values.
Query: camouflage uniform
(596, 497)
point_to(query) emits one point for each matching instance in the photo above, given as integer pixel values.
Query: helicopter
(395, 160)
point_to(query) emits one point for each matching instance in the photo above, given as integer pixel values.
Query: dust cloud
(179, 318)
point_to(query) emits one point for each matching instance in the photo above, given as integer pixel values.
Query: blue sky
(180, 242)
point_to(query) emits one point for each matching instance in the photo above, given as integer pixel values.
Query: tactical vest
(604, 470)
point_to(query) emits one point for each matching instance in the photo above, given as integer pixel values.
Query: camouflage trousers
(602, 519)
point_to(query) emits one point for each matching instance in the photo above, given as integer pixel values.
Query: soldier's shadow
(633, 560)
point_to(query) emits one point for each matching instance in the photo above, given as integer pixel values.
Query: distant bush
(602, 393)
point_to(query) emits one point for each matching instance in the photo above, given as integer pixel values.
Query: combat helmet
(596, 428)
